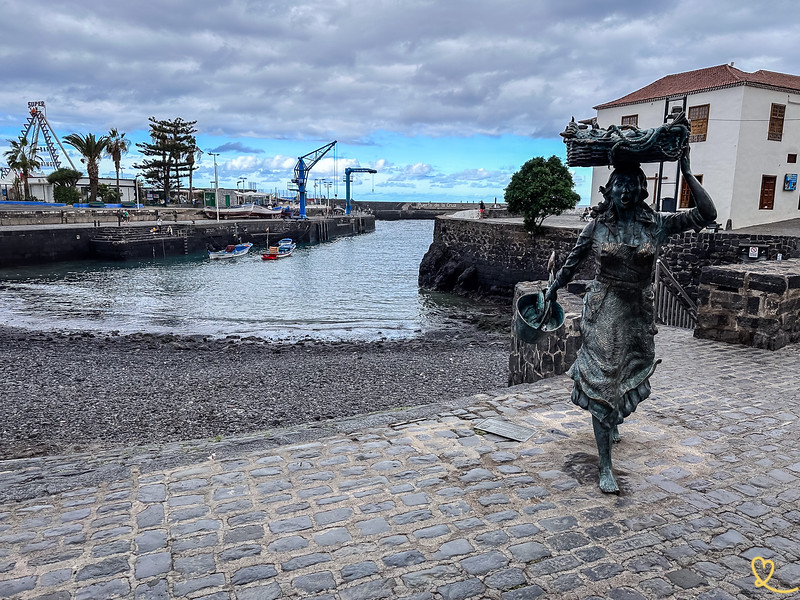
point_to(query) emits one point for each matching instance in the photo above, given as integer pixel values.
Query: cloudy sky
(445, 98)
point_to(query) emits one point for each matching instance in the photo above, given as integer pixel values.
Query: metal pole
(216, 182)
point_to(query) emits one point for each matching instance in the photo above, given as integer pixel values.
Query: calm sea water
(361, 287)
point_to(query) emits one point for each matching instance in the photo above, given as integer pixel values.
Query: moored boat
(231, 251)
(260, 211)
(284, 248)
(229, 212)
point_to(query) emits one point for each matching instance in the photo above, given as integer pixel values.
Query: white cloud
(315, 68)
(250, 70)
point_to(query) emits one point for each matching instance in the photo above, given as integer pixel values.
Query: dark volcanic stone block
(773, 284)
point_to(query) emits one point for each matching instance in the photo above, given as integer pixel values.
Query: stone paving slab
(709, 469)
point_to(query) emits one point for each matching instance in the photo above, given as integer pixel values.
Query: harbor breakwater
(395, 211)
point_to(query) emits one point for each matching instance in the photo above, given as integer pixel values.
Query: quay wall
(36, 244)
(490, 256)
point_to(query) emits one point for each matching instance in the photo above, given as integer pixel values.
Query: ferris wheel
(37, 126)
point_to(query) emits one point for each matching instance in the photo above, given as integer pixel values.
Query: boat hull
(230, 252)
(284, 249)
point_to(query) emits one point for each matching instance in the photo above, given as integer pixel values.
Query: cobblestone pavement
(427, 509)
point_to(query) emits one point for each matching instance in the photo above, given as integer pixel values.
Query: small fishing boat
(241, 211)
(260, 211)
(231, 251)
(284, 248)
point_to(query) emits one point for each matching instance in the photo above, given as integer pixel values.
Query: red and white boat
(284, 248)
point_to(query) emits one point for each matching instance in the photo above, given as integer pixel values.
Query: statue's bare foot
(607, 482)
(615, 435)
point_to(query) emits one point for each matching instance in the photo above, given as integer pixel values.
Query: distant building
(744, 141)
(42, 190)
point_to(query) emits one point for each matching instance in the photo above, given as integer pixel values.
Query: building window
(686, 200)
(632, 120)
(776, 115)
(791, 158)
(698, 115)
(767, 199)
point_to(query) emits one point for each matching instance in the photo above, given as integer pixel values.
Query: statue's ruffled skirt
(612, 371)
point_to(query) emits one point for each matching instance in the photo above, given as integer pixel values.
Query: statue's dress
(612, 370)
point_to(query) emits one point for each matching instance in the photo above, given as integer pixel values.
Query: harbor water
(355, 288)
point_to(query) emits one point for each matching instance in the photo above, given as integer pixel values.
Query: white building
(744, 141)
(43, 191)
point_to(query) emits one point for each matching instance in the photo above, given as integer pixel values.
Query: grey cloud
(318, 69)
(237, 147)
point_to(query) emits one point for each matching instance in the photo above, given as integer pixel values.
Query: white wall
(734, 156)
(759, 156)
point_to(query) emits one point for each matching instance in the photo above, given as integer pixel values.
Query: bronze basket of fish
(590, 146)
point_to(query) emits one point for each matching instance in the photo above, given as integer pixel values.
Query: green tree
(116, 147)
(92, 150)
(107, 194)
(24, 158)
(66, 195)
(64, 182)
(541, 188)
(64, 177)
(167, 154)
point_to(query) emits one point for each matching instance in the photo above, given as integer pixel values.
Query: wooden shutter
(698, 115)
(630, 120)
(776, 115)
(767, 199)
(686, 200)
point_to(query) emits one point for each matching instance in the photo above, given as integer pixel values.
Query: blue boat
(231, 251)
(284, 248)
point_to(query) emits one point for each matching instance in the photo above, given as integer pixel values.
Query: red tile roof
(702, 80)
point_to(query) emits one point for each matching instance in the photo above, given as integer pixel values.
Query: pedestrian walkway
(432, 509)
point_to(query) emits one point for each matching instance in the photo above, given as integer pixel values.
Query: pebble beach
(68, 392)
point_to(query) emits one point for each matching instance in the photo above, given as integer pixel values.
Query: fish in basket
(592, 146)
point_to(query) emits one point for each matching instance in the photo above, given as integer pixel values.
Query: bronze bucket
(534, 317)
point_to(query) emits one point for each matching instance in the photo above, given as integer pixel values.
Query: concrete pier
(46, 242)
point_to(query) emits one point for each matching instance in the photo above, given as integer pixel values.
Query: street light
(216, 182)
(136, 190)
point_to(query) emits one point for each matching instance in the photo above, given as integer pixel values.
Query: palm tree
(116, 146)
(23, 157)
(92, 150)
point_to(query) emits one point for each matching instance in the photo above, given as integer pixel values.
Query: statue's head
(626, 187)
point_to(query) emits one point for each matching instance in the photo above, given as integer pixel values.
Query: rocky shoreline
(79, 392)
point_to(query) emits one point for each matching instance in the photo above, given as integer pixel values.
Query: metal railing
(672, 304)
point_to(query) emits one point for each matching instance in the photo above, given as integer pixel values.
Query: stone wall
(687, 253)
(553, 353)
(755, 304)
(490, 256)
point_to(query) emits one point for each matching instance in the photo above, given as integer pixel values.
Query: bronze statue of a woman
(612, 371)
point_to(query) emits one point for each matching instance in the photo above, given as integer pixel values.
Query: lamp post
(136, 191)
(216, 182)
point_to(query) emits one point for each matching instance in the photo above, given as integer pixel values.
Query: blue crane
(301, 170)
(347, 172)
